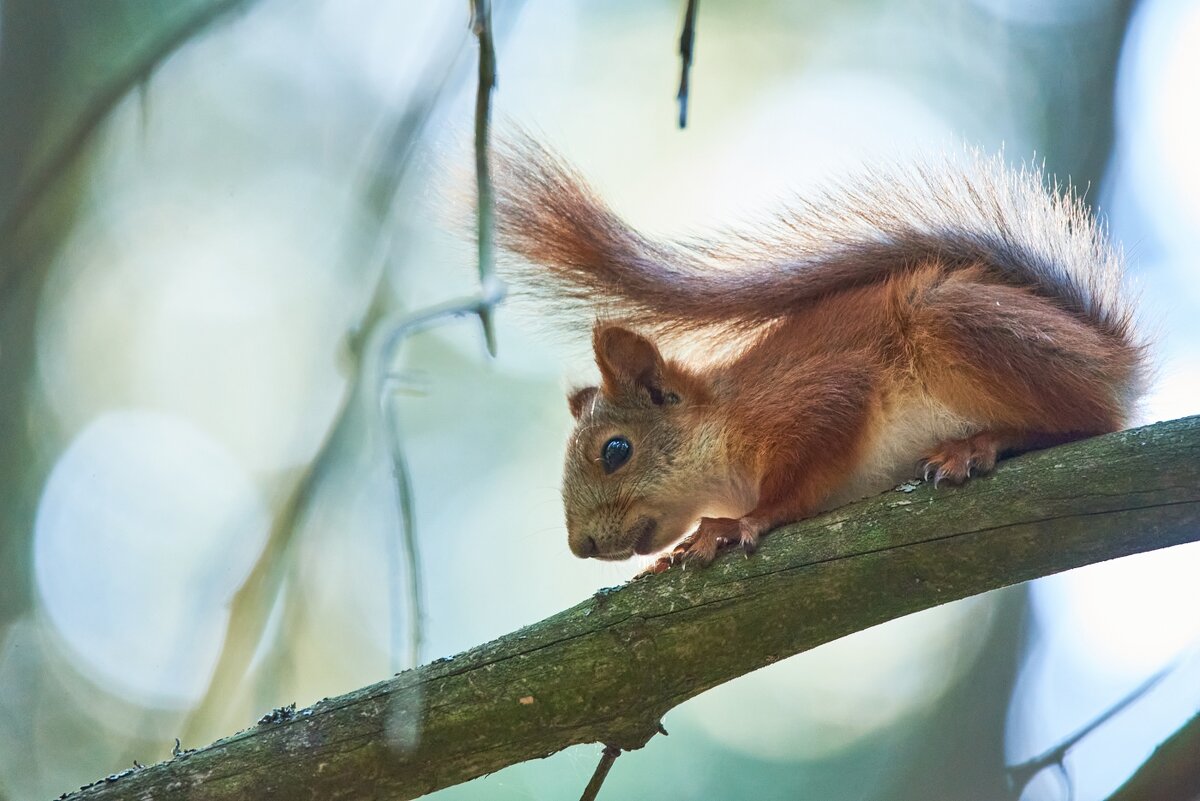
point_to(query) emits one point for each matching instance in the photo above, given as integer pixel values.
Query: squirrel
(919, 321)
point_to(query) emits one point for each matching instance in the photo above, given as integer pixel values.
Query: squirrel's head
(634, 475)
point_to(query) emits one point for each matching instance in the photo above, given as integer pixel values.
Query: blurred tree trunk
(64, 66)
(608, 669)
(1171, 772)
(1071, 107)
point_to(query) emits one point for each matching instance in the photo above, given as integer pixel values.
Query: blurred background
(212, 212)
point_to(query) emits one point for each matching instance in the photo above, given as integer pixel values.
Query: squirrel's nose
(585, 547)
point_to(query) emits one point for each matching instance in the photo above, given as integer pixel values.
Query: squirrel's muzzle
(585, 547)
(616, 543)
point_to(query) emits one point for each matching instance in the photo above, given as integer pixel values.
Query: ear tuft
(580, 399)
(627, 360)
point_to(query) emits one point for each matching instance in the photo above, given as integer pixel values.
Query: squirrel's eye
(615, 453)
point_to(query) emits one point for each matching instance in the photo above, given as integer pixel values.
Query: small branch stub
(607, 757)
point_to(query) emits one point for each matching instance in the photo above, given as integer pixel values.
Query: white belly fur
(911, 428)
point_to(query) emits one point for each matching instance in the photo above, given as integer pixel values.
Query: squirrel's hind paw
(957, 460)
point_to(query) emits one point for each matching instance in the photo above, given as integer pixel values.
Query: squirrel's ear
(628, 360)
(580, 398)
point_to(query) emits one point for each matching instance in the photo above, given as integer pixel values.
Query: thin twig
(402, 483)
(1019, 776)
(481, 24)
(248, 613)
(392, 334)
(255, 598)
(687, 42)
(382, 183)
(607, 757)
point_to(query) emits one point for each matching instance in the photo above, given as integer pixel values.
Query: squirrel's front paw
(714, 533)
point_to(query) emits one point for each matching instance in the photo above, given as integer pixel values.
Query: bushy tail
(955, 213)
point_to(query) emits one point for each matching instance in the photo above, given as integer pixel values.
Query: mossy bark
(607, 669)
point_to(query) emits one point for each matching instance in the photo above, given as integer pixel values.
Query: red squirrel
(919, 321)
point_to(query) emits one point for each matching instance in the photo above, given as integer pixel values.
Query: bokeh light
(145, 529)
(816, 705)
(171, 301)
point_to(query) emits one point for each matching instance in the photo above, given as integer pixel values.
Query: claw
(957, 461)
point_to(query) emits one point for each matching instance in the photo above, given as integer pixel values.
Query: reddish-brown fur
(970, 331)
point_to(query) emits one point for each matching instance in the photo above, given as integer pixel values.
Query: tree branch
(607, 669)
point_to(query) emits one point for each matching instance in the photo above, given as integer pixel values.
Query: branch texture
(607, 669)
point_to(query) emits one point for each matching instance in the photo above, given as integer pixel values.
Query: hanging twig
(492, 291)
(687, 41)
(253, 601)
(381, 179)
(402, 484)
(481, 24)
(393, 334)
(607, 757)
